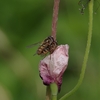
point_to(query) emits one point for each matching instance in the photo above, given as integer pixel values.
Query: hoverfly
(47, 46)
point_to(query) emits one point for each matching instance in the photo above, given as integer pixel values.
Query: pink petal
(53, 66)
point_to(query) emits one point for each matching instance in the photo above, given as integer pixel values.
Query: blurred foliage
(23, 22)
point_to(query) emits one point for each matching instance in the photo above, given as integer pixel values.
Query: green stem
(54, 91)
(86, 52)
(48, 93)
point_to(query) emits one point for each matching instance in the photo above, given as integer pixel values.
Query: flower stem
(54, 91)
(55, 18)
(86, 52)
(48, 93)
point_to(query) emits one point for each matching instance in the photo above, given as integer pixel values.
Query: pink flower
(53, 66)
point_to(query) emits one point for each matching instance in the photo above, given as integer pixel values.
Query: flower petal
(53, 66)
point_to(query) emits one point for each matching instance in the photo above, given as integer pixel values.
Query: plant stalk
(86, 52)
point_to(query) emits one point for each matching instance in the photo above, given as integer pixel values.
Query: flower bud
(53, 66)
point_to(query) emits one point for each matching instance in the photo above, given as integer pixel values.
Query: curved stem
(86, 52)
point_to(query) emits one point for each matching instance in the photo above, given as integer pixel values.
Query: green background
(24, 22)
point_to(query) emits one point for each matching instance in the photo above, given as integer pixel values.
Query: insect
(47, 46)
(83, 4)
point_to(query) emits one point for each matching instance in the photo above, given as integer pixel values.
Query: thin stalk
(55, 18)
(48, 93)
(54, 91)
(86, 52)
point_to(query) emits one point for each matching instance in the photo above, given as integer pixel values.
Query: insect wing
(32, 45)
